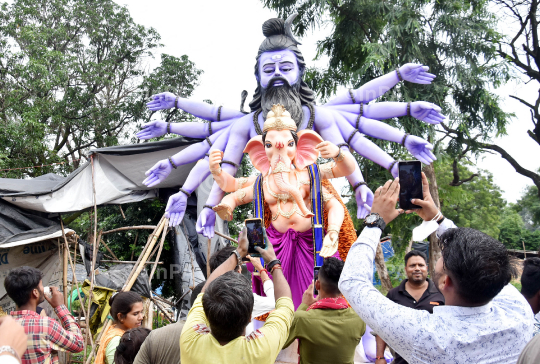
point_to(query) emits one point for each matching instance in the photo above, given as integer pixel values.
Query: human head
(127, 309)
(219, 257)
(228, 303)
(329, 274)
(24, 284)
(279, 59)
(129, 345)
(416, 266)
(474, 267)
(530, 283)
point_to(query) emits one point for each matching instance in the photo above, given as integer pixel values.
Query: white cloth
(493, 333)
(262, 304)
(8, 359)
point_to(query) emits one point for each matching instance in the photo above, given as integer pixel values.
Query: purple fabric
(295, 251)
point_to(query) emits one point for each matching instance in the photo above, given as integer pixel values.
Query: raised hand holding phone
(256, 236)
(308, 298)
(410, 183)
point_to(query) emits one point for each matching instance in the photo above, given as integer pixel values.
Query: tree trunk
(434, 250)
(382, 270)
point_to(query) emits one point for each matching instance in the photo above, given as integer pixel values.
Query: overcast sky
(222, 38)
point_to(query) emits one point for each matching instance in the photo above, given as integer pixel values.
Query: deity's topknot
(274, 26)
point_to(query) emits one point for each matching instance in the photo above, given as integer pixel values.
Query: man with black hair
(216, 324)
(530, 287)
(417, 291)
(484, 319)
(24, 286)
(328, 330)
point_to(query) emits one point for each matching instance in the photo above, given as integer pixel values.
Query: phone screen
(255, 236)
(315, 277)
(410, 184)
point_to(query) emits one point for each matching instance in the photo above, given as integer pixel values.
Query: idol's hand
(158, 173)
(164, 100)
(364, 200)
(416, 73)
(420, 148)
(176, 207)
(152, 129)
(214, 160)
(330, 244)
(327, 149)
(206, 222)
(427, 112)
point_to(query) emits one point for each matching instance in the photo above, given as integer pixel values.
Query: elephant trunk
(294, 192)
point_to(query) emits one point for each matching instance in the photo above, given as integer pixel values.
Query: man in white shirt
(485, 319)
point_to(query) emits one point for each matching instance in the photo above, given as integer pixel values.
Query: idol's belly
(295, 221)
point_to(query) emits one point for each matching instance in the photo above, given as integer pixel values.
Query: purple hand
(176, 207)
(153, 129)
(164, 100)
(364, 200)
(427, 112)
(420, 148)
(206, 222)
(416, 73)
(158, 173)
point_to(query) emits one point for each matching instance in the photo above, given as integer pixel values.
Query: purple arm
(200, 109)
(157, 128)
(411, 72)
(421, 110)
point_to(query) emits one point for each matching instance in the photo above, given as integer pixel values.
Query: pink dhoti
(295, 251)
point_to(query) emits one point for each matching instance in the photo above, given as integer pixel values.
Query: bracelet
(176, 102)
(441, 220)
(172, 163)
(409, 108)
(340, 157)
(216, 172)
(358, 185)
(277, 266)
(188, 194)
(404, 138)
(352, 96)
(208, 207)
(392, 166)
(263, 270)
(169, 127)
(238, 258)
(270, 265)
(398, 74)
(380, 357)
(10, 350)
(332, 227)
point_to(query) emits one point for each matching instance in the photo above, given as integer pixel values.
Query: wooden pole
(381, 268)
(126, 261)
(140, 227)
(65, 273)
(134, 245)
(108, 249)
(524, 251)
(226, 237)
(208, 258)
(163, 236)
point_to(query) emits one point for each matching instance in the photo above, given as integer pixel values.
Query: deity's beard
(286, 95)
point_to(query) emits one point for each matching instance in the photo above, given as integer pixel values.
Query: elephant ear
(306, 153)
(255, 149)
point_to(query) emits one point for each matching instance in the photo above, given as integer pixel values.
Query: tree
(514, 235)
(73, 76)
(528, 206)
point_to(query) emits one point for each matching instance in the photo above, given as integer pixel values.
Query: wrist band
(441, 220)
(208, 207)
(270, 265)
(277, 266)
(380, 357)
(188, 194)
(392, 166)
(409, 108)
(238, 258)
(338, 158)
(404, 138)
(264, 270)
(352, 96)
(169, 127)
(10, 350)
(172, 163)
(176, 102)
(398, 74)
(358, 185)
(219, 113)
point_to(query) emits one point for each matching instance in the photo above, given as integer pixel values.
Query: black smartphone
(315, 277)
(255, 235)
(410, 184)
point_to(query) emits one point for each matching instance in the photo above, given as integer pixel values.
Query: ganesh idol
(286, 161)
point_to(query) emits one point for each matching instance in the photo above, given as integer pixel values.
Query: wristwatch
(374, 220)
(238, 258)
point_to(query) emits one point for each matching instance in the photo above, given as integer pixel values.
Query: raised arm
(223, 179)
(343, 164)
(281, 287)
(200, 109)
(411, 72)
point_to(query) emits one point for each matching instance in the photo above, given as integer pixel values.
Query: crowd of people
(468, 312)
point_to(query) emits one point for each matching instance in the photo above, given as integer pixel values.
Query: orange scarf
(111, 332)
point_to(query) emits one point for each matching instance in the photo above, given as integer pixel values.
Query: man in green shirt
(328, 330)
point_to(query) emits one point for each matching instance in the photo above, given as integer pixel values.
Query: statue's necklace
(285, 197)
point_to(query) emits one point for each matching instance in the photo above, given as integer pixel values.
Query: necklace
(285, 197)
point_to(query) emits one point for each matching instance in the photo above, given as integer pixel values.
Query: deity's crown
(279, 119)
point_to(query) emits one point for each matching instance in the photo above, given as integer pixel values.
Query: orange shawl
(111, 332)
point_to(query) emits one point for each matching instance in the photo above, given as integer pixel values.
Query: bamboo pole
(139, 227)
(134, 245)
(226, 237)
(126, 261)
(163, 311)
(524, 251)
(108, 249)
(208, 258)
(163, 236)
(140, 267)
(64, 272)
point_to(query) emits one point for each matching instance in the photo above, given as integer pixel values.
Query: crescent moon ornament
(288, 31)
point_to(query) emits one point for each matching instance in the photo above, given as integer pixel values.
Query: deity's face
(280, 146)
(281, 63)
